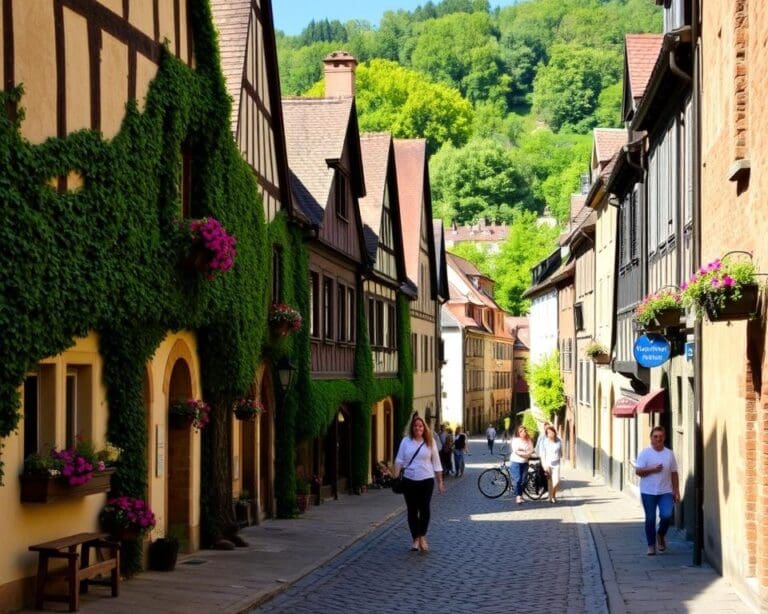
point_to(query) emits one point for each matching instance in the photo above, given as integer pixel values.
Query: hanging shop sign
(652, 350)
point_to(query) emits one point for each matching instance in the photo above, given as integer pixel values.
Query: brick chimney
(339, 69)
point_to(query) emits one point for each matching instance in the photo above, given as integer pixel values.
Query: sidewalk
(283, 551)
(633, 581)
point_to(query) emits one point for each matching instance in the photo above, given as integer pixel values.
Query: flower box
(665, 318)
(601, 358)
(283, 320)
(742, 308)
(47, 488)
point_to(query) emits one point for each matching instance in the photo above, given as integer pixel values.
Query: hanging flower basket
(284, 320)
(665, 318)
(247, 409)
(742, 307)
(210, 249)
(660, 310)
(597, 352)
(194, 412)
(725, 289)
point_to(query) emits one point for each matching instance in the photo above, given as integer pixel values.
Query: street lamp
(286, 373)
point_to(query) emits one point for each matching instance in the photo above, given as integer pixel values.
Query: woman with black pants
(419, 457)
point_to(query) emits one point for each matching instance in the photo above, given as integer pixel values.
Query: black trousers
(418, 495)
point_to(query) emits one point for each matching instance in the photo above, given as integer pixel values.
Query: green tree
(608, 112)
(546, 385)
(566, 90)
(301, 67)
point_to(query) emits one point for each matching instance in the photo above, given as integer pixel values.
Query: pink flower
(728, 281)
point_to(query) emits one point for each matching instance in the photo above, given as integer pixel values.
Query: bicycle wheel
(493, 483)
(531, 490)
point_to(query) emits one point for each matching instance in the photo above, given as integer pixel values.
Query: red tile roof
(477, 232)
(642, 51)
(231, 18)
(577, 204)
(519, 326)
(411, 164)
(607, 141)
(315, 131)
(375, 150)
(465, 269)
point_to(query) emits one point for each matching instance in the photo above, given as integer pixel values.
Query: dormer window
(340, 195)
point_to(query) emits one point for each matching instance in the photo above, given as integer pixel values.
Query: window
(351, 312)
(341, 312)
(379, 323)
(314, 304)
(340, 194)
(277, 274)
(31, 413)
(71, 409)
(415, 351)
(578, 316)
(327, 308)
(391, 328)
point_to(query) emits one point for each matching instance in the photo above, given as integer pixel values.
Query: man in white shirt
(659, 488)
(490, 435)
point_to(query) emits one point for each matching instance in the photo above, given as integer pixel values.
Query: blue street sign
(651, 350)
(689, 350)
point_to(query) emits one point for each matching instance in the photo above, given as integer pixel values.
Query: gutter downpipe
(698, 393)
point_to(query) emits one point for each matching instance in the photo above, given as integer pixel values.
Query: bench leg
(85, 560)
(42, 576)
(74, 592)
(115, 552)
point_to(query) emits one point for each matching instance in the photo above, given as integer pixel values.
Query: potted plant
(597, 352)
(210, 249)
(74, 472)
(724, 289)
(247, 408)
(194, 411)
(659, 310)
(243, 509)
(284, 319)
(164, 551)
(303, 490)
(126, 518)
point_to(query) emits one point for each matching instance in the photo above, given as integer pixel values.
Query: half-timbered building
(323, 144)
(380, 212)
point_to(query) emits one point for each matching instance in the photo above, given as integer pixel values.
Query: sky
(291, 16)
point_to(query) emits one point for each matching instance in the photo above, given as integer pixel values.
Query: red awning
(652, 402)
(625, 408)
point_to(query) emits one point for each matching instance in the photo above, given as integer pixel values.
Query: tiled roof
(607, 141)
(459, 314)
(375, 151)
(477, 232)
(642, 51)
(231, 18)
(315, 130)
(411, 161)
(520, 327)
(577, 204)
(463, 269)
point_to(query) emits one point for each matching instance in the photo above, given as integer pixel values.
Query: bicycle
(496, 481)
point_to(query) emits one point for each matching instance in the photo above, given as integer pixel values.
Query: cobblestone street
(490, 551)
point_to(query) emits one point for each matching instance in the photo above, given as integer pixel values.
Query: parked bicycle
(496, 481)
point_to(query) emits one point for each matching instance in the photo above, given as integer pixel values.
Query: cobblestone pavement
(492, 555)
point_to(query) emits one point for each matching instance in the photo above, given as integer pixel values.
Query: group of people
(423, 460)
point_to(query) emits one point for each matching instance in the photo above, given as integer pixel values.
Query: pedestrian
(490, 435)
(551, 452)
(541, 439)
(659, 488)
(419, 457)
(522, 450)
(460, 448)
(446, 452)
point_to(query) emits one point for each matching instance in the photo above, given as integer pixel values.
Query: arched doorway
(265, 470)
(389, 432)
(179, 465)
(146, 396)
(338, 452)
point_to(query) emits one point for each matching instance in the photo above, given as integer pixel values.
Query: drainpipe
(698, 405)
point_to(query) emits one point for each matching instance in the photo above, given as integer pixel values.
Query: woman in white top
(522, 450)
(551, 453)
(419, 457)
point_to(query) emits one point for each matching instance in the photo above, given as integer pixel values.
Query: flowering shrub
(77, 464)
(718, 282)
(216, 244)
(127, 513)
(196, 409)
(246, 408)
(654, 303)
(280, 314)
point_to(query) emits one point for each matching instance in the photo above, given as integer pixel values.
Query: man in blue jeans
(659, 488)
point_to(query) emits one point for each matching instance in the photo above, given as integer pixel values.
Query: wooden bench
(79, 571)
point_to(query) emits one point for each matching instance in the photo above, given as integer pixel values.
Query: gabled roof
(606, 142)
(232, 18)
(478, 232)
(642, 50)
(520, 327)
(375, 149)
(463, 270)
(577, 204)
(415, 204)
(315, 132)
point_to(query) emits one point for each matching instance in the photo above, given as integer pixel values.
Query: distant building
(487, 236)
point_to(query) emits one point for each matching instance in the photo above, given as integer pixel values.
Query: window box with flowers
(725, 289)
(209, 249)
(74, 472)
(247, 408)
(127, 518)
(284, 320)
(597, 352)
(660, 310)
(194, 412)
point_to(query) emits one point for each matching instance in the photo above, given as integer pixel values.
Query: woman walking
(551, 453)
(419, 457)
(460, 448)
(522, 449)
